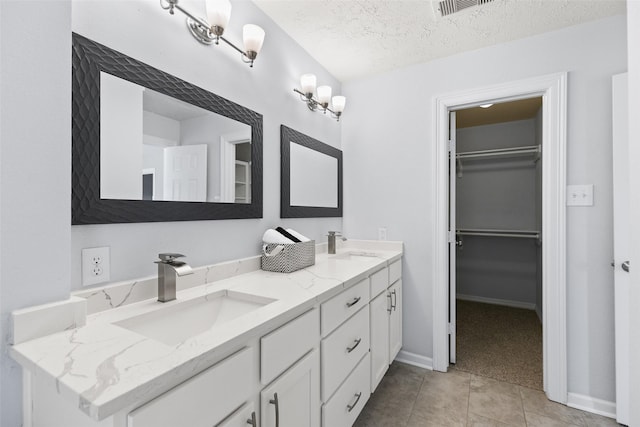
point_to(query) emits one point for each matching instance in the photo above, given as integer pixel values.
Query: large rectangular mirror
(149, 147)
(311, 177)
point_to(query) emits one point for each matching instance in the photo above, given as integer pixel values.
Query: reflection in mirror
(311, 177)
(155, 147)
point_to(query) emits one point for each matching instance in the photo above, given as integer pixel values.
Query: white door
(452, 237)
(621, 248)
(185, 173)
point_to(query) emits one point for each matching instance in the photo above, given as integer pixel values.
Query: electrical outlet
(95, 265)
(382, 233)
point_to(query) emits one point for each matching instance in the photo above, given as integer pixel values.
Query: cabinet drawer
(345, 406)
(379, 281)
(284, 346)
(342, 350)
(243, 417)
(342, 306)
(395, 271)
(203, 400)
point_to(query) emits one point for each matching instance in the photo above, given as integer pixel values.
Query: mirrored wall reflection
(313, 177)
(155, 147)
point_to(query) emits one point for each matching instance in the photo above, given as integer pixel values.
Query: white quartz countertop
(104, 368)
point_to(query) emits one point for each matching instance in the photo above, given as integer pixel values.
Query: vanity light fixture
(308, 86)
(211, 31)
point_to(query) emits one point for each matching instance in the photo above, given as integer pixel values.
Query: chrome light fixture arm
(314, 104)
(205, 33)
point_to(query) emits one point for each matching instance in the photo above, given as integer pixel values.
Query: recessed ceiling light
(485, 105)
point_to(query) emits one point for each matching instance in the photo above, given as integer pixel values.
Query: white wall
(142, 30)
(392, 137)
(633, 34)
(35, 166)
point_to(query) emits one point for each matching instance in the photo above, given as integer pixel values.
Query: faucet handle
(170, 256)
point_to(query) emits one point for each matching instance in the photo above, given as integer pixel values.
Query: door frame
(553, 90)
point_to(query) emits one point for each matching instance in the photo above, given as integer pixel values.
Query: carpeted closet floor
(499, 342)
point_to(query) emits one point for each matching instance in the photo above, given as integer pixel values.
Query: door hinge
(452, 145)
(451, 328)
(452, 236)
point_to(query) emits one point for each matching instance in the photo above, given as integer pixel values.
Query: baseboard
(591, 404)
(496, 301)
(415, 360)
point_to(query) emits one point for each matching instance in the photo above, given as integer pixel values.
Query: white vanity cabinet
(293, 400)
(204, 400)
(386, 320)
(243, 417)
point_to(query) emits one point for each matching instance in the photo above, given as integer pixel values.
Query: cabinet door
(395, 320)
(379, 312)
(243, 417)
(293, 400)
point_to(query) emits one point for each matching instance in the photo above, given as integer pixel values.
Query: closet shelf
(523, 234)
(504, 152)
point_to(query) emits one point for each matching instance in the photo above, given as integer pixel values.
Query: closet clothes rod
(530, 149)
(523, 234)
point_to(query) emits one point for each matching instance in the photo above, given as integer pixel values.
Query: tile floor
(413, 397)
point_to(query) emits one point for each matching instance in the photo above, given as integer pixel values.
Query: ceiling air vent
(447, 7)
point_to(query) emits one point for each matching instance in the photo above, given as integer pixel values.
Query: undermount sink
(355, 255)
(176, 323)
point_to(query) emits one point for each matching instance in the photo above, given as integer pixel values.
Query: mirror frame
(288, 135)
(89, 59)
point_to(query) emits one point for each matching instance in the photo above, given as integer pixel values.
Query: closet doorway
(496, 212)
(553, 90)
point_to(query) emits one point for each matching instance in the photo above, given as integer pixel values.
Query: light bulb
(308, 83)
(218, 14)
(253, 37)
(324, 95)
(338, 104)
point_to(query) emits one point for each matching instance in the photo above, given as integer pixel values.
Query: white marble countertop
(104, 368)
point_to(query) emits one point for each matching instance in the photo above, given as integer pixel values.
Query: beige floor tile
(443, 398)
(593, 420)
(535, 420)
(392, 402)
(418, 420)
(536, 402)
(496, 400)
(476, 420)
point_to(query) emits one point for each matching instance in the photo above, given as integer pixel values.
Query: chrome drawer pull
(274, 401)
(357, 343)
(252, 421)
(395, 299)
(353, 405)
(353, 302)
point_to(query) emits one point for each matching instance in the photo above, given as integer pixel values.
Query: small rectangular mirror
(311, 177)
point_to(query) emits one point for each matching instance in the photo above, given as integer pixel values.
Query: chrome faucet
(168, 270)
(332, 241)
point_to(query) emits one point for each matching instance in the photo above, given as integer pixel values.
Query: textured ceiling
(356, 38)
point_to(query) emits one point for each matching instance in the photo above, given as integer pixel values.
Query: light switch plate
(580, 195)
(95, 265)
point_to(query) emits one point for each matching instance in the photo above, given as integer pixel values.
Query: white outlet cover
(580, 195)
(89, 276)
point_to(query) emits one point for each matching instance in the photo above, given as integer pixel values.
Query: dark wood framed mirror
(310, 177)
(94, 200)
